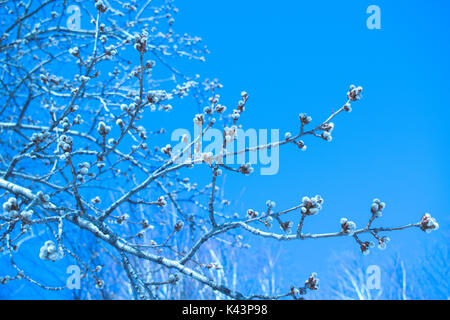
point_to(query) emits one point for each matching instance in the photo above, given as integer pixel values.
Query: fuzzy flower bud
(348, 227)
(313, 282)
(428, 223)
(49, 251)
(311, 206)
(377, 208)
(103, 129)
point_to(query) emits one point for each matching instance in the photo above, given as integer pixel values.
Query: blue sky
(297, 56)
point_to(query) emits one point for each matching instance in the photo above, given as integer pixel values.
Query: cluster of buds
(84, 78)
(207, 110)
(230, 133)
(286, 226)
(100, 6)
(37, 138)
(188, 185)
(214, 265)
(96, 200)
(98, 269)
(348, 107)
(157, 96)
(99, 284)
(78, 119)
(140, 42)
(161, 201)
(145, 224)
(220, 108)
(365, 246)
(208, 158)
(313, 282)
(377, 208)
(214, 99)
(120, 123)
(354, 93)
(142, 132)
(65, 143)
(246, 169)
(252, 213)
(50, 79)
(44, 198)
(210, 85)
(49, 251)
(110, 51)
(5, 279)
(348, 227)
(112, 141)
(183, 90)
(270, 204)
(327, 136)
(141, 234)
(25, 216)
(167, 150)
(84, 168)
(103, 129)
(173, 278)
(65, 124)
(218, 173)
(235, 115)
(240, 107)
(304, 118)
(150, 64)
(165, 107)
(122, 219)
(300, 291)
(199, 119)
(11, 206)
(74, 51)
(327, 130)
(244, 96)
(178, 226)
(382, 242)
(128, 108)
(268, 222)
(287, 135)
(301, 145)
(311, 206)
(428, 223)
